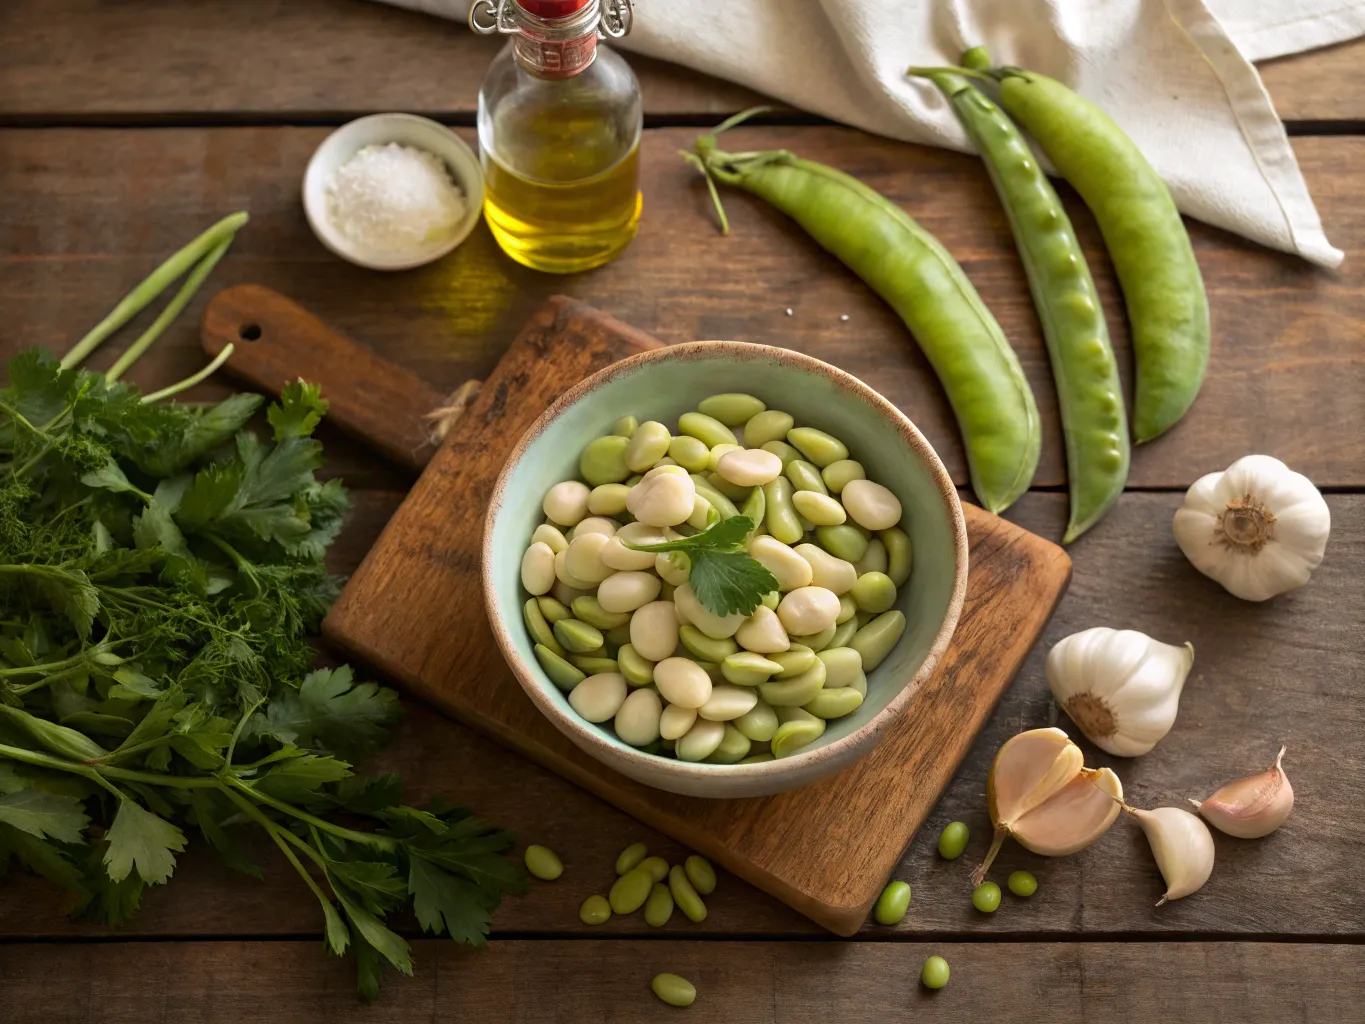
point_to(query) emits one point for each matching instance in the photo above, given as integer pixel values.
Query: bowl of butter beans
(723, 569)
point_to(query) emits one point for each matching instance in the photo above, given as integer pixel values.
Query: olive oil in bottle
(559, 133)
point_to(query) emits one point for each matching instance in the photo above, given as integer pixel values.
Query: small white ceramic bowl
(377, 130)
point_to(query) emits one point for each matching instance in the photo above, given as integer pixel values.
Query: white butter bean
(762, 633)
(827, 571)
(637, 720)
(875, 560)
(673, 566)
(683, 682)
(871, 505)
(599, 697)
(808, 610)
(567, 502)
(626, 591)
(593, 524)
(567, 578)
(538, 569)
(583, 558)
(717, 627)
(563, 592)
(654, 630)
(662, 499)
(675, 721)
(792, 571)
(751, 467)
(727, 703)
(701, 740)
(547, 534)
(618, 556)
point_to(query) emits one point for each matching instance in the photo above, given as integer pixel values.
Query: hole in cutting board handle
(249, 332)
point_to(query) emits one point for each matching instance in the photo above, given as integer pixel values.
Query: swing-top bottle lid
(550, 10)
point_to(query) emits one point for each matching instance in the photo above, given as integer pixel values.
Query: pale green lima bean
(543, 863)
(875, 640)
(561, 673)
(629, 858)
(767, 427)
(817, 446)
(604, 460)
(732, 409)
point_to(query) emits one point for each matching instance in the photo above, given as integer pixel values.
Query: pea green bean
(703, 648)
(706, 429)
(586, 609)
(608, 499)
(719, 452)
(553, 610)
(539, 628)
(795, 691)
(874, 558)
(543, 863)
(629, 892)
(701, 874)
(629, 858)
(604, 460)
(561, 673)
(755, 507)
(834, 702)
(758, 758)
(783, 451)
(874, 592)
(1143, 232)
(843, 665)
(818, 509)
(578, 636)
(734, 747)
(625, 426)
(798, 729)
(673, 989)
(908, 268)
(875, 640)
(593, 665)
(978, 58)
(771, 425)
(684, 895)
(892, 904)
(1022, 883)
(986, 897)
(656, 866)
(595, 910)
(843, 633)
(817, 446)
(659, 906)
(952, 841)
(845, 541)
(722, 504)
(617, 637)
(648, 445)
(838, 475)
(759, 723)
(934, 973)
(733, 409)
(690, 453)
(745, 668)
(805, 477)
(781, 513)
(794, 660)
(638, 670)
(1089, 394)
(732, 491)
(771, 599)
(818, 641)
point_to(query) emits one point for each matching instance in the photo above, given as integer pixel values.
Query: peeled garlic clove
(1078, 814)
(1182, 846)
(1040, 792)
(1251, 807)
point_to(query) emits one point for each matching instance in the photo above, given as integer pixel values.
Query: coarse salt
(395, 199)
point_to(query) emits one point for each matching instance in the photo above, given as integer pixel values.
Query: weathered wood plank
(339, 58)
(248, 59)
(748, 982)
(1283, 672)
(77, 230)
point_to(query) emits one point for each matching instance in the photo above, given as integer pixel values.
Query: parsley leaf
(445, 903)
(142, 840)
(300, 410)
(725, 580)
(330, 711)
(44, 815)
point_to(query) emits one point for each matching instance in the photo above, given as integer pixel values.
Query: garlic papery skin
(1251, 807)
(1120, 687)
(1182, 846)
(1039, 792)
(1258, 528)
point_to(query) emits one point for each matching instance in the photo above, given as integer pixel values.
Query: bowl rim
(469, 176)
(741, 351)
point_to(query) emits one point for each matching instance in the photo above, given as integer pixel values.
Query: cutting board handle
(275, 341)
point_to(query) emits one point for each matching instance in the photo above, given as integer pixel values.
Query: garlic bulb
(1258, 528)
(1040, 793)
(1121, 687)
(1251, 807)
(1182, 846)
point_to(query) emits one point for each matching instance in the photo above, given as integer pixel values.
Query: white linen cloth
(1176, 74)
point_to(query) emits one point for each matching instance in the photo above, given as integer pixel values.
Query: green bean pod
(1162, 287)
(912, 271)
(1089, 393)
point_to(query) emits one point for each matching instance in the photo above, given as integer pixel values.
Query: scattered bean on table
(674, 990)
(543, 863)
(934, 973)
(893, 904)
(1022, 883)
(952, 841)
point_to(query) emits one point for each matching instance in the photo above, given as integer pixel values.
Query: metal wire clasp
(617, 16)
(487, 17)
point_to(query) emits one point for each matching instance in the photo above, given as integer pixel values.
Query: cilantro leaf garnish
(725, 580)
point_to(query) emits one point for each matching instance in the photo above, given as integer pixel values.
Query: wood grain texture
(75, 233)
(269, 59)
(1318, 85)
(607, 982)
(277, 341)
(414, 610)
(1288, 671)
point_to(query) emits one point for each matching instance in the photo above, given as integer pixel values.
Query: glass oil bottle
(560, 120)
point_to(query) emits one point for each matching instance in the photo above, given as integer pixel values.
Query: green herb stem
(383, 843)
(190, 381)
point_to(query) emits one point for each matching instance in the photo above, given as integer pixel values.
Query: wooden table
(129, 127)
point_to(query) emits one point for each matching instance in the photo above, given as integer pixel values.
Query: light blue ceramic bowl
(661, 385)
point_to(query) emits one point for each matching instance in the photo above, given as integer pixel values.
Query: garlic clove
(1251, 807)
(1028, 769)
(1182, 846)
(1074, 817)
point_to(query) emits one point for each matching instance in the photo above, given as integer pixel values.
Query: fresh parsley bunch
(160, 573)
(725, 579)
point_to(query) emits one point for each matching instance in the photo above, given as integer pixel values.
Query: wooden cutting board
(414, 609)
